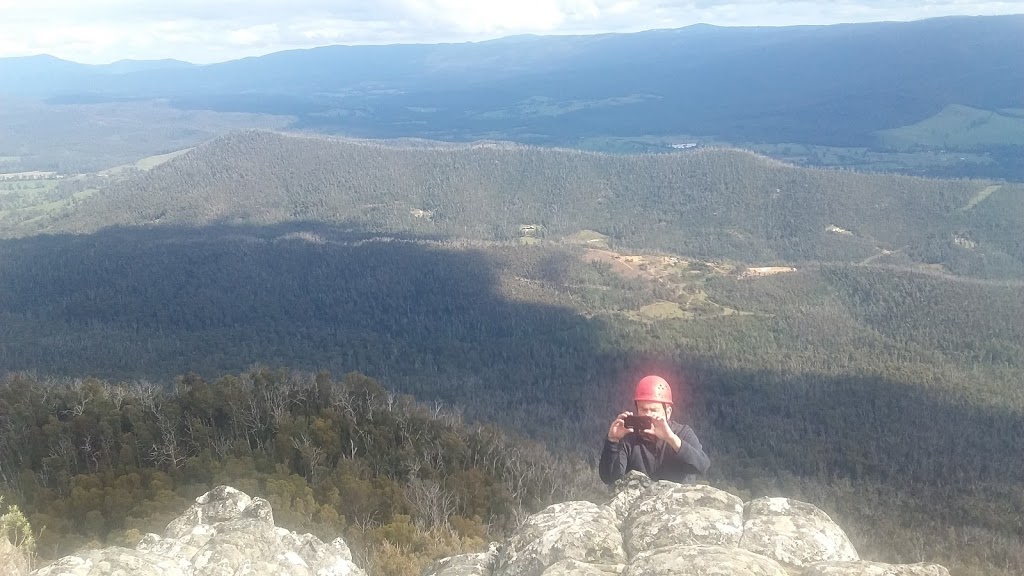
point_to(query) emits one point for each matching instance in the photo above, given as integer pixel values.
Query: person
(666, 451)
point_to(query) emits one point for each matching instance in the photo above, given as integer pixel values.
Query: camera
(638, 423)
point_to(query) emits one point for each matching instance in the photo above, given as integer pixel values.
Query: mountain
(708, 203)
(824, 85)
(43, 74)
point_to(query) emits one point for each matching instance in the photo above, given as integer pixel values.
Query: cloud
(204, 31)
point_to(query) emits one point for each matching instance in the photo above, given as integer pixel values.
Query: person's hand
(660, 429)
(617, 431)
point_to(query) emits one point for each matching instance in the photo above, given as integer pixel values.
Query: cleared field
(958, 127)
(981, 196)
(147, 163)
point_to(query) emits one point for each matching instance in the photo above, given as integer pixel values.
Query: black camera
(638, 423)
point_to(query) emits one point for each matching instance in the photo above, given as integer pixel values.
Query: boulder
(225, 533)
(794, 533)
(580, 531)
(577, 568)
(480, 564)
(873, 569)
(627, 490)
(670, 514)
(682, 560)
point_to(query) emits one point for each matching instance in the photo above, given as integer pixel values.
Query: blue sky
(202, 31)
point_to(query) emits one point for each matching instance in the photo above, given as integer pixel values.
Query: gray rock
(115, 562)
(577, 568)
(225, 533)
(794, 533)
(627, 490)
(702, 561)
(571, 531)
(480, 564)
(670, 514)
(873, 569)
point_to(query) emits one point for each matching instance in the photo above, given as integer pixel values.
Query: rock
(115, 562)
(480, 564)
(14, 562)
(577, 568)
(873, 569)
(670, 514)
(571, 531)
(627, 490)
(677, 530)
(225, 533)
(794, 533)
(683, 560)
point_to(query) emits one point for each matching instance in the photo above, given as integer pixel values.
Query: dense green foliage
(704, 203)
(98, 462)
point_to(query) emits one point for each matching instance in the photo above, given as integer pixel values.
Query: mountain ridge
(709, 202)
(729, 82)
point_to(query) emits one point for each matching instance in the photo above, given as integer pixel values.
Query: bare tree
(431, 503)
(313, 455)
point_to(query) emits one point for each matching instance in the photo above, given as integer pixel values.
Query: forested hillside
(707, 203)
(93, 462)
(889, 398)
(875, 372)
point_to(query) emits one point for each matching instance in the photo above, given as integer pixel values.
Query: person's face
(644, 408)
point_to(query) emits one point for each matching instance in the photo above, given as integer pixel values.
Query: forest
(413, 345)
(93, 462)
(889, 398)
(705, 203)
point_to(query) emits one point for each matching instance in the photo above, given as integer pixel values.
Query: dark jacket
(654, 457)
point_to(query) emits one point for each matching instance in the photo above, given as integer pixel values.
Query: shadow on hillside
(859, 427)
(431, 321)
(159, 302)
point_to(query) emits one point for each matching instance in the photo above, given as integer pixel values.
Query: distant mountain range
(824, 85)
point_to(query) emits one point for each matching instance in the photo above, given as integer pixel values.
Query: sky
(204, 31)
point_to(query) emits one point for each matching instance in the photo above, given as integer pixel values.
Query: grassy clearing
(28, 187)
(153, 161)
(588, 238)
(664, 310)
(147, 163)
(981, 196)
(958, 127)
(684, 278)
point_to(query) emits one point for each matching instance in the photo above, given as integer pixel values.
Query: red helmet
(653, 389)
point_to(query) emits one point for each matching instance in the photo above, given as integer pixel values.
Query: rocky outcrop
(873, 569)
(580, 531)
(225, 533)
(794, 533)
(664, 529)
(648, 529)
(673, 514)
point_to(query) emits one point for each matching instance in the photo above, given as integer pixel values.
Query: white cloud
(204, 31)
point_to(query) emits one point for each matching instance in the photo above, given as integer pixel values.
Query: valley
(821, 322)
(400, 290)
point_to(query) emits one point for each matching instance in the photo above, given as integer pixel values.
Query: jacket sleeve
(690, 457)
(614, 456)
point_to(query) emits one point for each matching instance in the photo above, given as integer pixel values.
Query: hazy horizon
(199, 33)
